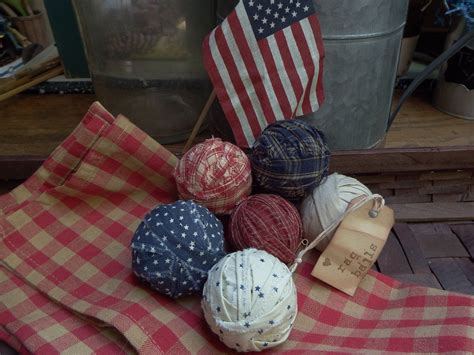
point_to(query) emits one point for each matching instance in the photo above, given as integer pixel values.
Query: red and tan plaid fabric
(12, 341)
(65, 235)
(45, 327)
(215, 174)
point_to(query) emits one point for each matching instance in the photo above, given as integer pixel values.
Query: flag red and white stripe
(266, 61)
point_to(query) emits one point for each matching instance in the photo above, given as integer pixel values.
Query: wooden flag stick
(200, 121)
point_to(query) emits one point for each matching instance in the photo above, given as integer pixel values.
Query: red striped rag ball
(215, 174)
(267, 222)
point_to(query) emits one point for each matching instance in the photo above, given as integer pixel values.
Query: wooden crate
(432, 193)
(422, 184)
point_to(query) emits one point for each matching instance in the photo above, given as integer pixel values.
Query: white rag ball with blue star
(249, 300)
(175, 246)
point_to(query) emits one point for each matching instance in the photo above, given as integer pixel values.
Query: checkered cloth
(215, 174)
(65, 234)
(45, 327)
(12, 341)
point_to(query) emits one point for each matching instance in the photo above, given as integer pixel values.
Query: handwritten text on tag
(355, 247)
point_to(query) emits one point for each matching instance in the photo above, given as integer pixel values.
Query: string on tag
(379, 203)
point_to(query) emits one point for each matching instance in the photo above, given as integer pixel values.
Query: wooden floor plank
(445, 175)
(420, 124)
(428, 280)
(467, 266)
(36, 124)
(449, 198)
(405, 199)
(392, 259)
(465, 233)
(441, 246)
(442, 228)
(396, 160)
(422, 228)
(412, 250)
(451, 276)
(434, 212)
(438, 241)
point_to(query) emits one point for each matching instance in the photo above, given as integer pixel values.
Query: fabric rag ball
(249, 300)
(290, 159)
(327, 204)
(267, 222)
(175, 246)
(215, 174)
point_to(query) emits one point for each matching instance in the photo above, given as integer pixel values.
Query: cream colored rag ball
(249, 300)
(327, 203)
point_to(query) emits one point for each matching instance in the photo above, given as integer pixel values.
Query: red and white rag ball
(215, 174)
(267, 222)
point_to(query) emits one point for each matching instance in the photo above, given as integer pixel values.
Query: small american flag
(266, 62)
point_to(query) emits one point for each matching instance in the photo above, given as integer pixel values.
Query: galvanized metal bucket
(362, 42)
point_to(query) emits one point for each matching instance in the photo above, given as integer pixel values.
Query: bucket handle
(446, 55)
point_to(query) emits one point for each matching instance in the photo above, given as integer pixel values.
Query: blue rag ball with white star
(175, 246)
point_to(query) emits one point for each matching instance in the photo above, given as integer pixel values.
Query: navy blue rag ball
(175, 246)
(290, 159)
